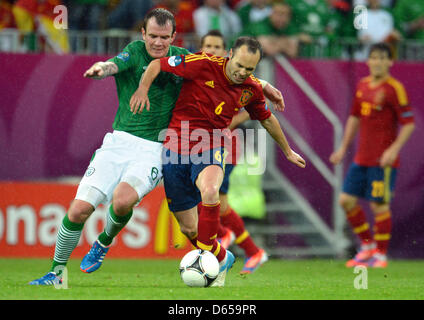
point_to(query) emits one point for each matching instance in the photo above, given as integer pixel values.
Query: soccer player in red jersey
(380, 105)
(231, 227)
(213, 91)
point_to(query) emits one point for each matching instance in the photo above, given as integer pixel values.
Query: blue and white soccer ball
(199, 268)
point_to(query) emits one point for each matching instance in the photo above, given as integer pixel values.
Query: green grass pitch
(160, 280)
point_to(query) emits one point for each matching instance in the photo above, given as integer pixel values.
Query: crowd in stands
(289, 27)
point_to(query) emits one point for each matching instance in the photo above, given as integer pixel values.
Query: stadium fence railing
(111, 42)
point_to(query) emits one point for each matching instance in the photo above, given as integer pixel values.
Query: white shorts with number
(122, 157)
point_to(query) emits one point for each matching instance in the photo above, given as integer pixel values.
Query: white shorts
(122, 157)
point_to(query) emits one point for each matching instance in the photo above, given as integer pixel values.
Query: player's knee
(190, 231)
(79, 211)
(347, 202)
(122, 205)
(377, 208)
(124, 200)
(210, 194)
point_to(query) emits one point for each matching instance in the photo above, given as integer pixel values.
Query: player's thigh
(143, 169)
(347, 201)
(380, 184)
(208, 175)
(188, 220)
(142, 175)
(355, 182)
(86, 201)
(105, 168)
(181, 193)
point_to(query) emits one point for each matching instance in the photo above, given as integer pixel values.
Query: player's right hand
(138, 100)
(293, 157)
(94, 72)
(337, 156)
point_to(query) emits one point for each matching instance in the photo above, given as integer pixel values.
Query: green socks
(114, 225)
(67, 239)
(69, 235)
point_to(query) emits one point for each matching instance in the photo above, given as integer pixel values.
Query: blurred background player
(128, 165)
(231, 224)
(209, 103)
(215, 14)
(277, 32)
(379, 105)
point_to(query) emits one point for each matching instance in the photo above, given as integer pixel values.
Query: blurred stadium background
(52, 120)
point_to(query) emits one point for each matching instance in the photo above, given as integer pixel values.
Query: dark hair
(382, 47)
(252, 44)
(162, 17)
(213, 33)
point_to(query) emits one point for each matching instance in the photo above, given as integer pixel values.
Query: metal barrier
(352, 49)
(111, 42)
(332, 241)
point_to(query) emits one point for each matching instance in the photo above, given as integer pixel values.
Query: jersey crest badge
(90, 171)
(246, 94)
(174, 61)
(124, 56)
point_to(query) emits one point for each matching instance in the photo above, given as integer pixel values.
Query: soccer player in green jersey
(128, 164)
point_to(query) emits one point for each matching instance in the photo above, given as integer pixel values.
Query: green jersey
(311, 16)
(132, 62)
(407, 11)
(266, 28)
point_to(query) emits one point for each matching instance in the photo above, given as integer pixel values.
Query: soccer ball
(199, 268)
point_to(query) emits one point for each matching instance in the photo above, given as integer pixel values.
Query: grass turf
(159, 280)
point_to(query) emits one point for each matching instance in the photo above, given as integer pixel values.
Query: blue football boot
(94, 258)
(220, 279)
(49, 279)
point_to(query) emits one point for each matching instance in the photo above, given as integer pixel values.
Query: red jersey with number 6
(380, 109)
(208, 100)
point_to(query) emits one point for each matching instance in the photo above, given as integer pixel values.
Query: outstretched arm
(139, 99)
(101, 70)
(274, 129)
(238, 119)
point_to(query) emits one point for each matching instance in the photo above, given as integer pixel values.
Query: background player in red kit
(379, 105)
(214, 89)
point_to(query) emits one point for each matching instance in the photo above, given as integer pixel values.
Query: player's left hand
(275, 96)
(388, 157)
(138, 100)
(293, 157)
